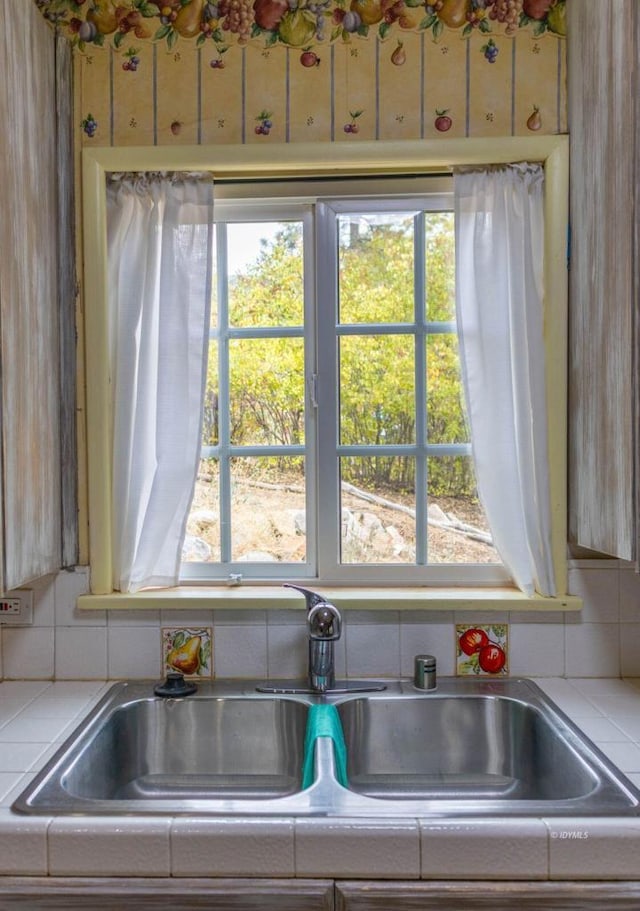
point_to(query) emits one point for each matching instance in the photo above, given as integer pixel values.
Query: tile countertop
(35, 717)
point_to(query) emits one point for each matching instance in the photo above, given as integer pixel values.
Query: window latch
(313, 389)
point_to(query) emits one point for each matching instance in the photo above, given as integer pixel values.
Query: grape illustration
(490, 50)
(89, 125)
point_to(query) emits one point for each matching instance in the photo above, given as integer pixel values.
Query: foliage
(377, 382)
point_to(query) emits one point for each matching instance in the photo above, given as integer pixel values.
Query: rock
(257, 556)
(195, 550)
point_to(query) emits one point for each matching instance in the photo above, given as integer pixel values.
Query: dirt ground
(269, 525)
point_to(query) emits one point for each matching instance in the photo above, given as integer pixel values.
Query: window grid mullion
(329, 507)
(419, 293)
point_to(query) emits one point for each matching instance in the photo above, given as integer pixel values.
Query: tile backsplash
(603, 640)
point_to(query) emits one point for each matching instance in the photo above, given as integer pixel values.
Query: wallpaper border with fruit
(155, 72)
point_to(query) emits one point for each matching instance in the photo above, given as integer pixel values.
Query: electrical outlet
(16, 608)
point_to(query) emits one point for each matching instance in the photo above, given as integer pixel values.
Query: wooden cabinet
(486, 896)
(603, 384)
(78, 894)
(32, 298)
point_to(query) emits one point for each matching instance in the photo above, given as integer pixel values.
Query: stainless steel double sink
(473, 747)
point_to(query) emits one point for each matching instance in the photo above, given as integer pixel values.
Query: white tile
(65, 709)
(21, 782)
(357, 848)
(8, 783)
(593, 848)
(81, 653)
(34, 730)
(436, 639)
(629, 596)
(44, 602)
(235, 617)
(629, 649)
(601, 730)
(536, 650)
(373, 650)
(594, 687)
(628, 725)
(135, 652)
(538, 617)
(371, 617)
(189, 618)
(484, 849)
(28, 652)
(287, 652)
(133, 618)
(626, 756)
(20, 757)
(232, 847)
(593, 650)
(240, 651)
(24, 844)
(72, 689)
(617, 705)
(567, 698)
(68, 587)
(114, 846)
(293, 617)
(23, 689)
(9, 708)
(600, 593)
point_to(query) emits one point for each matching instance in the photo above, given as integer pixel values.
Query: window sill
(275, 597)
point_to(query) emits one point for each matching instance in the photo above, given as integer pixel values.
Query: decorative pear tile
(482, 649)
(188, 650)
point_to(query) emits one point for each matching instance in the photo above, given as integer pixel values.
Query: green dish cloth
(324, 721)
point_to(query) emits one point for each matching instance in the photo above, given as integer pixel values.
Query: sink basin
(473, 747)
(182, 749)
(452, 747)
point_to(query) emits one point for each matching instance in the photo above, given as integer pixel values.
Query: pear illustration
(186, 657)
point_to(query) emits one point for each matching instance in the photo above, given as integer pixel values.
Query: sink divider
(324, 721)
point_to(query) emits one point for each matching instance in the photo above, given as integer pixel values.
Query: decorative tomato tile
(482, 649)
(188, 651)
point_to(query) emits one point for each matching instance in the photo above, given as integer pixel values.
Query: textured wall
(314, 70)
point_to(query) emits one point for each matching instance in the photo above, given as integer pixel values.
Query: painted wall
(239, 71)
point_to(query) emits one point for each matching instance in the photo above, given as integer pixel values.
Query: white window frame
(302, 160)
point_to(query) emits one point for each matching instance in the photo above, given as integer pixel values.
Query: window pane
(457, 527)
(446, 419)
(214, 283)
(202, 541)
(211, 400)
(265, 272)
(377, 399)
(440, 266)
(375, 263)
(266, 378)
(377, 510)
(268, 517)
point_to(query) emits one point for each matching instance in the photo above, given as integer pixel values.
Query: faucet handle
(312, 598)
(325, 622)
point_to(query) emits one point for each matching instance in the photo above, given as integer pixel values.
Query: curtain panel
(160, 248)
(499, 216)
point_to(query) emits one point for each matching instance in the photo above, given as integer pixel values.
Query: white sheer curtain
(499, 288)
(159, 277)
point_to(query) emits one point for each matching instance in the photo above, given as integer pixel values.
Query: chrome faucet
(325, 626)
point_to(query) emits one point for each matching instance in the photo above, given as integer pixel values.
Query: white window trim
(365, 158)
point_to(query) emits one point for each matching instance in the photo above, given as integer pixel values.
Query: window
(338, 440)
(335, 445)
